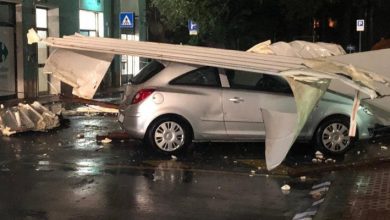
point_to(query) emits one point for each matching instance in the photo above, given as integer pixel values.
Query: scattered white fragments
(25, 117)
(319, 155)
(383, 147)
(106, 141)
(330, 160)
(97, 109)
(302, 178)
(173, 157)
(285, 189)
(7, 131)
(315, 160)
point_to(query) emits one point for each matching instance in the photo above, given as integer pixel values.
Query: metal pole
(360, 41)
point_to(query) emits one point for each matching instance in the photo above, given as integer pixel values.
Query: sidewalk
(361, 192)
(370, 197)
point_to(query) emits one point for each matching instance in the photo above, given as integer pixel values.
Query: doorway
(7, 51)
(43, 50)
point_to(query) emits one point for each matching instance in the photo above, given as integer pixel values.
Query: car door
(200, 92)
(244, 98)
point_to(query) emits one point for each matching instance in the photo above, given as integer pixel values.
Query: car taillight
(141, 95)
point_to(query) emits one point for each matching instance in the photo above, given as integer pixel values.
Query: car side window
(257, 81)
(204, 76)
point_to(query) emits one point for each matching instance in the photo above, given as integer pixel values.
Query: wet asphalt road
(57, 175)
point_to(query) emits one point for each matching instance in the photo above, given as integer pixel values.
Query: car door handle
(236, 99)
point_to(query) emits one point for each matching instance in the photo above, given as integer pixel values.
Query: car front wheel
(332, 136)
(168, 135)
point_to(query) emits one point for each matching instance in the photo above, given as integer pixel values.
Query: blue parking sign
(126, 20)
(192, 27)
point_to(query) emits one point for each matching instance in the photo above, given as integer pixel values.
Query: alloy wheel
(169, 136)
(335, 137)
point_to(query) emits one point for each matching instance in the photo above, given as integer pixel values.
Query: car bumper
(133, 125)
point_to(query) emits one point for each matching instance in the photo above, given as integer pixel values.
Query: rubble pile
(25, 117)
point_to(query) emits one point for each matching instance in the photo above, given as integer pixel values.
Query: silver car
(168, 105)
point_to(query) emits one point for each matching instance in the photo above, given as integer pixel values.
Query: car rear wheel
(168, 135)
(332, 136)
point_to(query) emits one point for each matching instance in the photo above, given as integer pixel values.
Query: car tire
(168, 135)
(331, 136)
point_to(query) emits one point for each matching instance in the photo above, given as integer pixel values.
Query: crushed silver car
(168, 105)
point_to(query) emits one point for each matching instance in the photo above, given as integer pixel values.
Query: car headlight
(366, 110)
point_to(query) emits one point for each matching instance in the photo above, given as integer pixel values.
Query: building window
(7, 51)
(91, 23)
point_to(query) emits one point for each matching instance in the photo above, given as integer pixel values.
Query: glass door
(43, 51)
(7, 51)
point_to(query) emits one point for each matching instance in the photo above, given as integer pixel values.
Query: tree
(240, 24)
(222, 23)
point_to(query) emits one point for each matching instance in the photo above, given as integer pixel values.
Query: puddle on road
(44, 165)
(88, 167)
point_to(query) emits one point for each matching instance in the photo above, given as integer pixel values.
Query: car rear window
(204, 76)
(147, 72)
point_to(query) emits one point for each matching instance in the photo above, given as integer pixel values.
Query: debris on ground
(319, 155)
(90, 110)
(173, 157)
(330, 160)
(117, 136)
(7, 131)
(285, 189)
(383, 147)
(302, 178)
(106, 141)
(80, 136)
(96, 109)
(27, 117)
(315, 160)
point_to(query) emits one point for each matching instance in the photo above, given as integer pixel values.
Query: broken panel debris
(26, 117)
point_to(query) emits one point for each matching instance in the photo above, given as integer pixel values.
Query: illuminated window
(41, 14)
(43, 51)
(91, 23)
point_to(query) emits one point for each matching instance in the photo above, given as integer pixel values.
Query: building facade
(21, 65)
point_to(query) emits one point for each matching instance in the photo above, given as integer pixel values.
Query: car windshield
(147, 72)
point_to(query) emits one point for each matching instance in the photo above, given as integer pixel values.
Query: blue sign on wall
(126, 20)
(192, 27)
